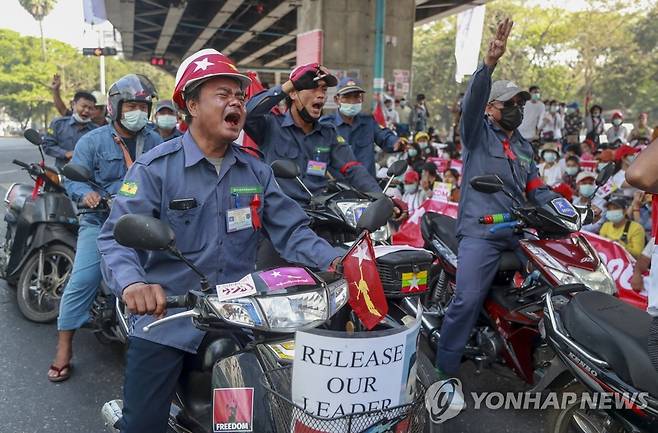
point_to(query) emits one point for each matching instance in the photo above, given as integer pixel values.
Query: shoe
(61, 377)
(112, 412)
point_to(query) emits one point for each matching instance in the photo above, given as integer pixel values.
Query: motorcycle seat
(615, 332)
(445, 228)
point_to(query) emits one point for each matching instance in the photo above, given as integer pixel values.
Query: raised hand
(498, 45)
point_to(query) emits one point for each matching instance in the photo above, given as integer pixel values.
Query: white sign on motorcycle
(338, 373)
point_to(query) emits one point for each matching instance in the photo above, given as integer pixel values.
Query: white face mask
(571, 170)
(423, 144)
(410, 188)
(550, 157)
(80, 119)
(166, 121)
(134, 120)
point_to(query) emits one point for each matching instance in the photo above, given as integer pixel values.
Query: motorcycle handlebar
(21, 164)
(177, 301)
(502, 226)
(496, 218)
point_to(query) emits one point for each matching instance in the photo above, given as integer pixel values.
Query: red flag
(378, 114)
(366, 293)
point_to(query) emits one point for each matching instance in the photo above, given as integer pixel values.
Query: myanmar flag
(414, 282)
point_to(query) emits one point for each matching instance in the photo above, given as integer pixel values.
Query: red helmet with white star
(200, 66)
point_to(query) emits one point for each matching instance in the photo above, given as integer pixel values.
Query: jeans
(85, 279)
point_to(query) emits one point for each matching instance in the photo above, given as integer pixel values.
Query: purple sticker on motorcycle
(280, 278)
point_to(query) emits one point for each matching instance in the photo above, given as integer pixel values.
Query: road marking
(15, 170)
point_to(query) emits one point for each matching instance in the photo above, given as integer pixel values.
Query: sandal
(61, 377)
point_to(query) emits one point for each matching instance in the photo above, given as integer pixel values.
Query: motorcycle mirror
(285, 169)
(33, 136)
(76, 172)
(143, 232)
(375, 215)
(397, 168)
(605, 174)
(488, 184)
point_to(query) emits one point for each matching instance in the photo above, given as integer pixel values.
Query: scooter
(39, 245)
(250, 341)
(108, 316)
(507, 328)
(602, 344)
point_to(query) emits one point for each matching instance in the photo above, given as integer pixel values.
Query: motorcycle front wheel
(574, 419)
(42, 281)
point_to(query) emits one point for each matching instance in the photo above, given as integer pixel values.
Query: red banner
(619, 262)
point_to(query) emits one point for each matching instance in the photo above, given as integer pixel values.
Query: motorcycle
(250, 340)
(507, 328)
(602, 344)
(39, 246)
(108, 318)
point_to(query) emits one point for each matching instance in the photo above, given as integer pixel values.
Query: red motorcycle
(554, 255)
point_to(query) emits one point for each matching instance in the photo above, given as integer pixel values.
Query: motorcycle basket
(287, 417)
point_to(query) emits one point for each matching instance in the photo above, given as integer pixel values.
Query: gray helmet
(131, 87)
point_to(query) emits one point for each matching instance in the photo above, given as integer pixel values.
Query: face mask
(553, 109)
(571, 171)
(306, 117)
(536, 96)
(166, 121)
(570, 111)
(423, 144)
(79, 119)
(403, 104)
(616, 122)
(511, 118)
(586, 190)
(602, 165)
(412, 152)
(134, 120)
(596, 114)
(410, 189)
(550, 157)
(615, 215)
(350, 110)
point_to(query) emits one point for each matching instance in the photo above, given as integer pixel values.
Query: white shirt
(620, 133)
(652, 289)
(552, 122)
(532, 114)
(551, 175)
(413, 201)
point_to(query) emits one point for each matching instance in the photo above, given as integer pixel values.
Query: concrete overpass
(262, 34)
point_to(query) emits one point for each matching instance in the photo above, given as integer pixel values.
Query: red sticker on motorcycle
(233, 410)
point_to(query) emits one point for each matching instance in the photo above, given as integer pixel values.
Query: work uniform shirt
(279, 138)
(488, 150)
(62, 136)
(98, 152)
(361, 135)
(178, 170)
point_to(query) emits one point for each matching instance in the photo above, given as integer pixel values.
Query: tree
(39, 9)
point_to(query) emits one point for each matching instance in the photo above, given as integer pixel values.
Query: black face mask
(306, 117)
(511, 118)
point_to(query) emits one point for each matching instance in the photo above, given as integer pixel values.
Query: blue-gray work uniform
(98, 152)
(486, 150)
(178, 170)
(62, 136)
(279, 138)
(361, 134)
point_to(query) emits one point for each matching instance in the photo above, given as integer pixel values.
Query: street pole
(378, 76)
(102, 74)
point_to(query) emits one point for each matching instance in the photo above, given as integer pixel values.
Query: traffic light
(160, 61)
(97, 52)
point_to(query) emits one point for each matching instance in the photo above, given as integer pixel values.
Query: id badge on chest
(238, 219)
(316, 168)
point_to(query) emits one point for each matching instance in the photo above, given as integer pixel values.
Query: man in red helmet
(298, 135)
(219, 201)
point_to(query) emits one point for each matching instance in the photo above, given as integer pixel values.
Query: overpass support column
(349, 35)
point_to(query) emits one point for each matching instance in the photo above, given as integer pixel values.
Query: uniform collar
(193, 154)
(341, 121)
(289, 121)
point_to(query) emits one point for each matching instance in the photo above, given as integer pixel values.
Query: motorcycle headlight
(599, 280)
(352, 210)
(283, 313)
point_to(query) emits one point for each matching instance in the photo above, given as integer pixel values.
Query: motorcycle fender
(244, 370)
(44, 234)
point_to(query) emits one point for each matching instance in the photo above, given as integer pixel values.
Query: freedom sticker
(233, 410)
(237, 289)
(280, 278)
